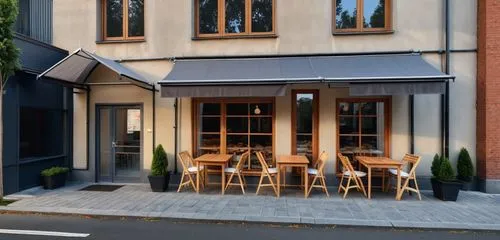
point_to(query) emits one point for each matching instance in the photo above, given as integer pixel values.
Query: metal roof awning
(246, 77)
(73, 71)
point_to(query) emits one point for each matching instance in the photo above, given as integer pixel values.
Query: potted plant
(54, 177)
(436, 165)
(160, 177)
(465, 169)
(445, 185)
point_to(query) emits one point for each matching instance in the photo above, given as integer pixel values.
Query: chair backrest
(262, 162)
(244, 156)
(323, 156)
(414, 160)
(347, 164)
(186, 159)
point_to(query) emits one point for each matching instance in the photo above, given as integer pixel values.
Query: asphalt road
(125, 229)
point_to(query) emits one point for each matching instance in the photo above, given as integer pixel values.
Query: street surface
(28, 227)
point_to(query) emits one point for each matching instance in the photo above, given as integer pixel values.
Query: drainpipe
(154, 117)
(445, 99)
(176, 132)
(412, 123)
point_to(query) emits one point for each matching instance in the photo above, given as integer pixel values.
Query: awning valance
(73, 71)
(190, 78)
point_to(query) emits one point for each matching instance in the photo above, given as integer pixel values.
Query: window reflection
(114, 18)
(235, 16)
(208, 15)
(304, 124)
(346, 14)
(374, 14)
(262, 15)
(135, 18)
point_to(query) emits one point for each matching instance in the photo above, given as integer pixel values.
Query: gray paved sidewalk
(473, 210)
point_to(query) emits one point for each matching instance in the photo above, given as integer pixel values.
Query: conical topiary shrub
(436, 165)
(465, 169)
(160, 163)
(446, 172)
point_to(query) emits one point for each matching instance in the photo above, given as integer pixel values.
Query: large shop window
(229, 18)
(363, 127)
(123, 19)
(362, 15)
(41, 132)
(305, 123)
(235, 126)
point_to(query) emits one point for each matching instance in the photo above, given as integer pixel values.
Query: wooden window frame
(359, 20)
(315, 129)
(387, 121)
(221, 22)
(124, 36)
(195, 111)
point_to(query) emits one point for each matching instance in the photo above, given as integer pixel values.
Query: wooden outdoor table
(380, 163)
(293, 161)
(212, 160)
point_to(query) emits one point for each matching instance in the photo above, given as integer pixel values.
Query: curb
(328, 223)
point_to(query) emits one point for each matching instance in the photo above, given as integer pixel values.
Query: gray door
(119, 143)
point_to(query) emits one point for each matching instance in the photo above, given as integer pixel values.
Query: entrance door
(119, 149)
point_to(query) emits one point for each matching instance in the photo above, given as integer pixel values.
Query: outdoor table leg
(197, 177)
(369, 183)
(223, 179)
(279, 179)
(398, 190)
(305, 181)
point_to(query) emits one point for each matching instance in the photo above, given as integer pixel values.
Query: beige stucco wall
(303, 26)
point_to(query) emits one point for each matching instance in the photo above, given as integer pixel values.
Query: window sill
(120, 41)
(364, 33)
(235, 37)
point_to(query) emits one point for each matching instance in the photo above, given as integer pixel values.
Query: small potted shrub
(54, 177)
(447, 186)
(436, 165)
(160, 177)
(465, 169)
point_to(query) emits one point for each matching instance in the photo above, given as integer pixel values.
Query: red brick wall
(488, 90)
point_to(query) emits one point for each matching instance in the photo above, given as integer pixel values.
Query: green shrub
(446, 172)
(436, 165)
(54, 171)
(465, 169)
(160, 162)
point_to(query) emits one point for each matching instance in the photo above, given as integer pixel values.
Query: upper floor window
(123, 19)
(222, 18)
(362, 15)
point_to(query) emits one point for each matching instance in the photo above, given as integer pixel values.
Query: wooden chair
(351, 175)
(237, 171)
(270, 173)
(318, 174)
(189, 171)
(414, 160)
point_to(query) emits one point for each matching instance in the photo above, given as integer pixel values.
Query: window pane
(209, 140)
(304, 145)
(41, 132)
(135, 18)
(261, 124)
(237, 124)
(374, 14)
(348, 143)
(369, 125)
(304, 113)
(346, 108)
(235, 16)
(114, 18)
(261, 109)
(237, 109)
(208, 15)
(369, 108)
(210, 108)
(373, 143)
(262, 15)
(237, 141)
(348, 125)
(346, 14)
(210, 124)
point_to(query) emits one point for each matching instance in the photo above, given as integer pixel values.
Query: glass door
(119, 142)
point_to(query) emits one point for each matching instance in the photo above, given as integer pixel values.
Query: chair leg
(324, 185)
(241, 183)
(181, 184)
(228, 182)
(272, 184)
(311, 186)
(416, 187)
(260, 183)
(362, 185)
(347, 188)
(340, 184)
(403, 188)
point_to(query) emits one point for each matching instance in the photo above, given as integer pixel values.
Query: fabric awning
(365, 74)
(73, 71)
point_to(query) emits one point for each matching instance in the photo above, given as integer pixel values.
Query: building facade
(37, 115)
(117, 123)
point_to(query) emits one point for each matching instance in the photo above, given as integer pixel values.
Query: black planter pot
(446, 191)
(467, 186)
(159, 183)
(53, 182)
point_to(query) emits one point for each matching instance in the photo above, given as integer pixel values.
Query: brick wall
(488, 90)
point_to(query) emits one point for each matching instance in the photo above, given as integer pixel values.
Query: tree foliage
(160, 163)
(436, 165)
(465, 169)
(9, 53)
(446, 172)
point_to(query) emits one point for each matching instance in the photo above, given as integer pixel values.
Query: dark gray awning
(73, 71)
(188, 76)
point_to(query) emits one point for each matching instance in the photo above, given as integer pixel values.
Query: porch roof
(74, 70)
(224, 77)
